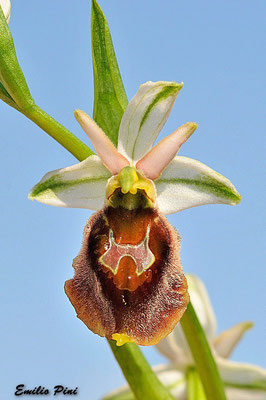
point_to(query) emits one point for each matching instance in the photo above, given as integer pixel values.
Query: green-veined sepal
(248, 379)
(187, 183)
(145, 116)
(82, 185)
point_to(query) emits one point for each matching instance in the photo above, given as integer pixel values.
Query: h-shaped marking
(140, 253)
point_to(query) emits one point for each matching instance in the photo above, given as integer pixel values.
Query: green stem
(138, 373)
(200, 349)
(194, 385)
(58, 132)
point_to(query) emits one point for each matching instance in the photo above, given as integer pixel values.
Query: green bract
(110, 99)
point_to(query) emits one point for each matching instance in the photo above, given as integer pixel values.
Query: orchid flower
(6, 7)
(242, 381)
(129, 285)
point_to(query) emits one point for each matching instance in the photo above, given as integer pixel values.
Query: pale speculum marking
(140, 253)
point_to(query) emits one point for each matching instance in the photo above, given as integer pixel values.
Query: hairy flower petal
(82, 185)
(144, 118)
(187, 183)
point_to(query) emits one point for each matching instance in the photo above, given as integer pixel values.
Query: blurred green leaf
(110, 99)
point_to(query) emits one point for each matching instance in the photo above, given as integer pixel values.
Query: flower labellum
(129, 285)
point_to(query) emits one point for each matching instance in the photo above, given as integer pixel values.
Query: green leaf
(110, 99)
(11, 74)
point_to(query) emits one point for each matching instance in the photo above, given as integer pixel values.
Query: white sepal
(242, 375)
(201, 302)
(6, 7)
(244, 394)
(171, 348)
(174, 380)
(144, 117)
(225, 343)
(187, 183)
(79, 186)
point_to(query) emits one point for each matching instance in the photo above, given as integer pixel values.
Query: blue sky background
(216, 48)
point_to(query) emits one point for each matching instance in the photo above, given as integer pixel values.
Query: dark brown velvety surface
(145, 307)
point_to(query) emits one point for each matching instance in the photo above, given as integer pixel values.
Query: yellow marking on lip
(121, 338)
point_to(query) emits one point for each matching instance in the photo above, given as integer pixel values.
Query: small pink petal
(105, 149)
(157, 159)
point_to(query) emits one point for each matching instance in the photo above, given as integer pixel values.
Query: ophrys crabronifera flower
(128, 283)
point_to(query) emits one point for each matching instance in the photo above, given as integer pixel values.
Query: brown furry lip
(142, 309)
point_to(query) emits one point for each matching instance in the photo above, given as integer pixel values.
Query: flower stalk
(200, 349)
(143, 382)
(58, 132)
